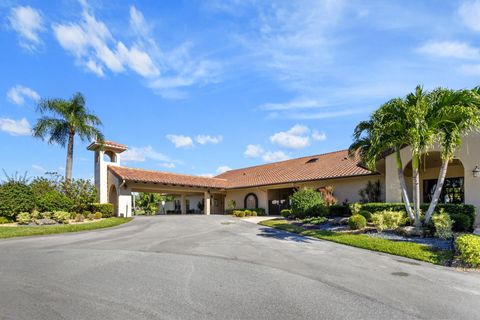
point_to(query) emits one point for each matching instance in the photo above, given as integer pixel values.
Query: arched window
(251, 201)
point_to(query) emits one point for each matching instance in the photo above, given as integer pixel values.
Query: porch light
(476, 171)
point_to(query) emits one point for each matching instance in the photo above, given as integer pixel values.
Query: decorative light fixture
(476, 171)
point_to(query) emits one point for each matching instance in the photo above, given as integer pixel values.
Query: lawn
(405, 249)
(23, 231)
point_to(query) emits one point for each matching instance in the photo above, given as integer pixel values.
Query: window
(251, 201)
(312, 160)
(453, 190)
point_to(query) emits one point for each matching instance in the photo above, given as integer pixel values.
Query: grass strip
(23, 231)
(405, 249)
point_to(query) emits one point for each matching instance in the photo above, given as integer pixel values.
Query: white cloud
(169, 165)
(273, 156)
(450, 49)
(141, 154)
(469, 11)
(223, 169)
(15, 127)
(180, 141)
(28, 23)
(38, 168)
(206, 175)
(253, 151)
(319, 136)
(296, 137)
(18, 94)
(204, 139)
(293, 104)
(167, 73)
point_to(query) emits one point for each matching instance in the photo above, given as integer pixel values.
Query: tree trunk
(68, 168)
(416, 189)
(403, 186)
(438, 190)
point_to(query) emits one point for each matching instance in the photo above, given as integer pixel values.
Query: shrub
(105, 208)
(339, 211)
(286, 213)
(355, 208)
(443, 225)
(24, 218)
(366, 214)
(86, 213)
(357, 222)
(53, 201)
(46, 215)
(79, 217)
(91, 216)
(260, 211)
(61, 216)
(239, 213)
(4, 220)
(35, 215)
(468, 246)
(315, 220)
(388, 220)
(15, 197)
(461, 222)
(81, 191)
(306, 202)
(98, 215)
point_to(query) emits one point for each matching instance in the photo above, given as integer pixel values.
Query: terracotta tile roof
(318, 167)
(120, 147)
(140, 175)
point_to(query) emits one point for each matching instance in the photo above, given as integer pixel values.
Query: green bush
(53, 201)
(463, 215)
(24, 218)
(468, 246)
(286, 213)
(357, 222)
(443, 225)
(239, 213)
(35, 215)
(355, 208)
(91, 216)
(388, 220)
(46, 215)
(366, 214)
(61, 216)
(315, 220)
(98, 215)
(307, 203)
(5, 220)
(15, 197)
(79, 217)
(260, 211)
(86, 213)
(105, 208)
(339, 211)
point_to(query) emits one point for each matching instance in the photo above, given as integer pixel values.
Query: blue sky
(202, 86)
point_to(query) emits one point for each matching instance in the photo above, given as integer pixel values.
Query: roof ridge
(277, 162)
(165, 172)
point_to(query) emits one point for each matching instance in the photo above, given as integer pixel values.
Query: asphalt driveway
(217, 267)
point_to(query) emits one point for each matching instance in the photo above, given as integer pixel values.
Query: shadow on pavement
(283, 235)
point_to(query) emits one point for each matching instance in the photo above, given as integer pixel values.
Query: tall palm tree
(384, 132)
(454, 113)
(62, 120)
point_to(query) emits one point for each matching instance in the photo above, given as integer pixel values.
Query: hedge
(15, 197)
(105, 208)
(339, 211)
(53, 201)
(462, 214)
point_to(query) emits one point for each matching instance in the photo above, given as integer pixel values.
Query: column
(206, 203)
(183, 204)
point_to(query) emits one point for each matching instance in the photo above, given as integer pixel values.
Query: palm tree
(454, 113)
(384, 132)
(62, 120)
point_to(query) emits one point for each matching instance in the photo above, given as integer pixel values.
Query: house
(269, 186)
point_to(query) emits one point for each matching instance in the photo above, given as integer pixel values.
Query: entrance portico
(115, 184)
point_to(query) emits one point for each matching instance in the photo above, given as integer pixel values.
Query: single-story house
(269, 186)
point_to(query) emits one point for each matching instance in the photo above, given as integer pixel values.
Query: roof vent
(312, 160)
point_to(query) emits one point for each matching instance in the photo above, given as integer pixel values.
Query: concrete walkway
(219, 267)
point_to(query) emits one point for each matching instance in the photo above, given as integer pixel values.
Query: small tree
(306, 202)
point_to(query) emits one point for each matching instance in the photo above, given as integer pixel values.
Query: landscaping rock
(410, 231)
(340, 221)
(45, 222)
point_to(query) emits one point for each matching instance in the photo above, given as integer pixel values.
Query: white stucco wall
(468, 154)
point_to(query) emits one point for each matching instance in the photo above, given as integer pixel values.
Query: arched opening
(453, 188)
(251, 201)
(113, 199)
(110, 156)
